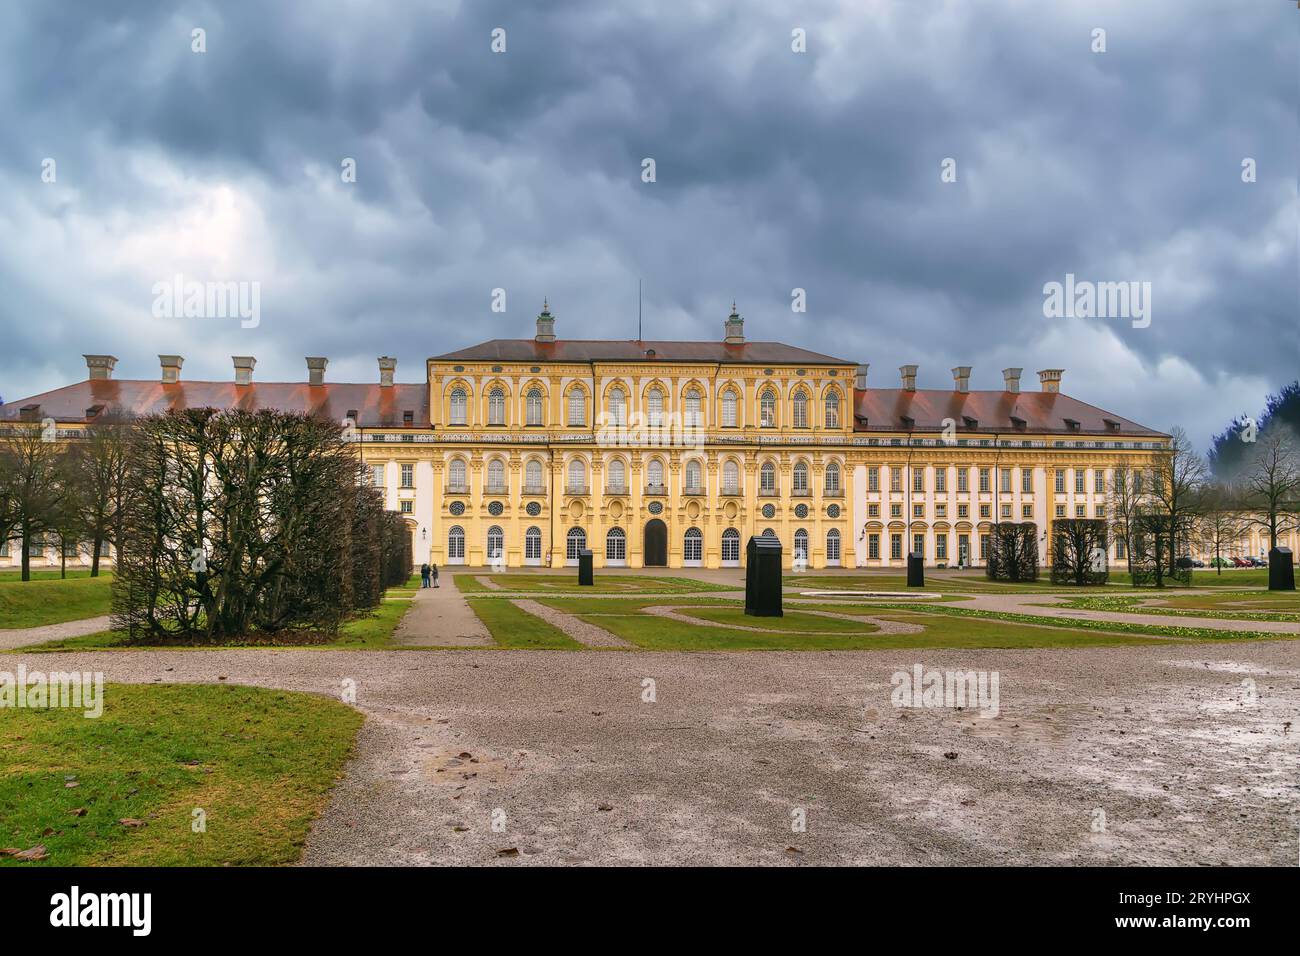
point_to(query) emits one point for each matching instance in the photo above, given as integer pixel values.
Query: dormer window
(93, 411)
(352, 415)
(908, 421)
(1019, 423)
(971, 423)
(1071, 424)
(30, 413)
(1111, 424)
(408, 418)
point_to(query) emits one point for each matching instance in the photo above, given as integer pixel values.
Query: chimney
(735, 328)
(316, 369)
(100, 366)
(961, 378)
(545, 324)
(243, 369)
(171, 368)
(1011, 376)
(1051, 379)
(860, 379)
(909, 377)
(387, 366)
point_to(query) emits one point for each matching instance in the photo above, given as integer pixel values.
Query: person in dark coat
(433, 573)
(424, 575)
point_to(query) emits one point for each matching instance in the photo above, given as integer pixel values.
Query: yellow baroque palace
(527, 451)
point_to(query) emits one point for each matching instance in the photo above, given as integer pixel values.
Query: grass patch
(52, 601)
(259, 763)
(1232, 606)
(514, 628)
(791, 621)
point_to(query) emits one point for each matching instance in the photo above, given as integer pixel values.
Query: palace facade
(650, 453)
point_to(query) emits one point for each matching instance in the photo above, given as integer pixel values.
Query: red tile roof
(376, 405)
(884, 409)
(618, 350)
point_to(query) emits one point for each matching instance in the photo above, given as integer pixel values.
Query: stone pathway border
(883, 626)
(574, 626)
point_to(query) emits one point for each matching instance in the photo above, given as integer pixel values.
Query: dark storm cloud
(775, 170)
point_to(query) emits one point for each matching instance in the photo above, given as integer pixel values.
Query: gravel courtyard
(1178, 754)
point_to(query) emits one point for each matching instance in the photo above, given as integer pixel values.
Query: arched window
(800, 485)
(617, 477)
(459, 407)
(574, 543)
(833, 477)
(767, 408)
(800, 409)
(456, 480)
(533, 475)
(730, 478)
(694, 480)
(534, 412)
(617, 407)
(496, 407)
(767, 479)
(655, 474)
(615, 547)
(693, 548)
(691, 417)
(533, 546)
(496, 475)
(728, 408)
(833, 546)
(769, 533)
(654, 400)
(731, 548)
(832, 410)
(577, 407)
(496, 546)
(577, 476)
(801, 543)
(456, 545)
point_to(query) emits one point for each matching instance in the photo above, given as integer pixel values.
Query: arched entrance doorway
(656, 544)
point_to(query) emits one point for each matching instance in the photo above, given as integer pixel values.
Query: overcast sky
(774, 170)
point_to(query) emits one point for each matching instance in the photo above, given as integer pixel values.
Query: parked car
(1257, 562)
(1221, 563)
(1189, 561)
(1241, 563)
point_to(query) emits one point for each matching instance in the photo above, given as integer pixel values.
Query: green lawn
(48, 574)
(604, 584)
(259, 763)
(625, 618)
(51, 601)
(510, 627)
(1229, 606)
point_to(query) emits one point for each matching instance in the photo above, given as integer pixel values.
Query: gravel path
(1033, 604)
(574, 626)
(440, 617)
(23, 636)
(1188, 750)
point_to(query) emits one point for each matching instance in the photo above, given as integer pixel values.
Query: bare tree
(1176, 493)
(1123, 505)
(1079, 551)
(33, 485)
(1013, 551)
(1272, 484)
(1222, 522)
(98, 471)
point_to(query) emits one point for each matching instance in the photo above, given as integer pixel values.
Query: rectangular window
(940, 510)
(984, 546)
(895, 546)
(1079, 477)
(984, 479)
(1060, 481)
(873, 511)
(963, 511)
(1120, 548)
(1004, 480)
(4, 549)
(407, 505)
(873, 547)
(408, 476)
(918, 479)
(895, 510)
(963, 548)
(941, 481)
(941, 548)
(918, 511)
(1060, 511)
(963, 480)
(1099, 482)
(1100, 511)
(918, 544)
(895, 479)
(873, 479)
(1027, 481)
(1080, 511)
(1027, 512)
(986, 510)
(377, 475)
(1006, 512)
